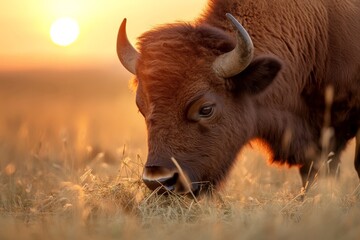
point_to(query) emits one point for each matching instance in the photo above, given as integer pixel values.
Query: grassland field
(72, 147)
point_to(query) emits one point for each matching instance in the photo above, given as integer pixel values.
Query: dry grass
(68, 175)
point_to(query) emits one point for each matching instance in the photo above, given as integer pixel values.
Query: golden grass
(68, 175)
(49, 203)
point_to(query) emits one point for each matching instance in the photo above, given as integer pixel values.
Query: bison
(288, 72)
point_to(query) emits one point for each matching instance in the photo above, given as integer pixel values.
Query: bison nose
(163, 179)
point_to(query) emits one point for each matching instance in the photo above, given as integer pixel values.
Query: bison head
(195, 85)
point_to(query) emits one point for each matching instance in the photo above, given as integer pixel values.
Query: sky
(25, 41)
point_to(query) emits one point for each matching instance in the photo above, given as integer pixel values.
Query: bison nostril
(155, 177)
(171, 181)
(163, 179)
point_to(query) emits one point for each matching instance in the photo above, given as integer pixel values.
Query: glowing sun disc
(64, 31)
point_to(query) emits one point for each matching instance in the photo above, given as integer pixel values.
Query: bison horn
(231, 63)
(127, 54)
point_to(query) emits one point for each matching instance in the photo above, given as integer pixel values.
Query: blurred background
(25, 30)
(62, 84)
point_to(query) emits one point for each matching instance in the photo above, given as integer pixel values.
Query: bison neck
(288, 136)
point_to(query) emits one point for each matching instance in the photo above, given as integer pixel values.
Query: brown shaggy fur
(316, 44)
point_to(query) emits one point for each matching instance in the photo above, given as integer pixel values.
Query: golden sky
(25, 25)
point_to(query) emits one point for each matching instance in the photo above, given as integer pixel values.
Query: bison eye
(206, 111)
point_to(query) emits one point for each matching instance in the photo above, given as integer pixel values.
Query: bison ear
(257, 76)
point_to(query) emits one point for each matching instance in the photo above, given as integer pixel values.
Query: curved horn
(231, 63)
(127, 54)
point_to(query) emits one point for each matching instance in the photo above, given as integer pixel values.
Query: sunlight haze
(25, 42)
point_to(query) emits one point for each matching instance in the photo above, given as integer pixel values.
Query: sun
(64, 31)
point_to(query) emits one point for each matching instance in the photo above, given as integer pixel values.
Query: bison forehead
(184, 38)
(181, 47)
(177, 58)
